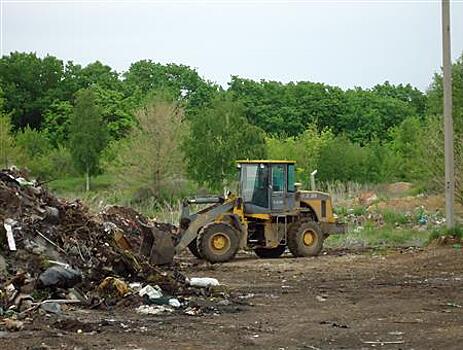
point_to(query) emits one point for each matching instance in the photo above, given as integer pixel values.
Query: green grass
(344, 211)
(103, 192)
(359, 211)
(383, 237)
(76, 185)
(456, 232)
(392, 217)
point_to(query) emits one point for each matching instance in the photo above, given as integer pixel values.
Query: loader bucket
(157, 246)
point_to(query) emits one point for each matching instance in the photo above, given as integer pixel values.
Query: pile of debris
(55, 252)
(39, 226)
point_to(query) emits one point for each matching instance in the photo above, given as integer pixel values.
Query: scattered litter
(153, 309)
(454, 305)
(334, 324)
(396, 333)
(320, 298)
(203, 282)
(151, 292)
(113, 286)
(384, 342)
(23, 182)
(135, 286)
(8, 224)
(53, 308)
(13, 325)
(174, 302)
(192, 311)
(50, 241)
(247, 296)
(59, 277)
(75, 295)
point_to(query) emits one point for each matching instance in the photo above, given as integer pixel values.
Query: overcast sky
(343, 43)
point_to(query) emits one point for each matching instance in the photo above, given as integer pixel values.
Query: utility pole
(448, 122)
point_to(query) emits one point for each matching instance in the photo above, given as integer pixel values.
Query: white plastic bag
(203, 282)
(152, 292)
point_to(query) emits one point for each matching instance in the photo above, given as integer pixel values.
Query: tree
(406, 143)
(33, 149)
(32, 143)
(99, 74)
(179, 81)
(6, 137)
(148, 76)
(287, 109)
(304, 149)
(30, 84)
(342, 160)
(220, 135)
(405, 93)
(369, 116)
(88, 134)
(150, 160)
(117, 111)
(433, 149)
(362, 115)
(436, 95)
(431, 154)
(6, 141)
(57, 122)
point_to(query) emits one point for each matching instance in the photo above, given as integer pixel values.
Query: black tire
(305, 239)
(269, 253)
(193, 248)
(211, 239)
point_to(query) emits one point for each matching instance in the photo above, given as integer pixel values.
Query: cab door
(255, 187)
(278, 187)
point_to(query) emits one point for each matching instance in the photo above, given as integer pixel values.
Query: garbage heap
(53, 249)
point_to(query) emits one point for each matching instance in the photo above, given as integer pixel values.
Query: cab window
(255, 184)
(291, 178)
(278, 177)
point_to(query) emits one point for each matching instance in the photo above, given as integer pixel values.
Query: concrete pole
(448, 123)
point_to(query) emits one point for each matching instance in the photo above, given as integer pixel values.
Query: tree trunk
(87, 180)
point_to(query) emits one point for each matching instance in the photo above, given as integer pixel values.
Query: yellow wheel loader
(268, 214)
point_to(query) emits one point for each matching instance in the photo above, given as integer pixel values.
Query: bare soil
(409, 299)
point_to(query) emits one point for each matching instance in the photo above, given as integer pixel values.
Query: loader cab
(267, 186)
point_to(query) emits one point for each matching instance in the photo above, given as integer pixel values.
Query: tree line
(161, 126)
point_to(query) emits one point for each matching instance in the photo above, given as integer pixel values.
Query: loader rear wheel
(218, 242)
(305, 239)
(193, 248)
(269, 253)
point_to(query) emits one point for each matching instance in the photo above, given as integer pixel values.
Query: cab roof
(260, 161)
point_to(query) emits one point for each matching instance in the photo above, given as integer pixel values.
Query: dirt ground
(409, 299)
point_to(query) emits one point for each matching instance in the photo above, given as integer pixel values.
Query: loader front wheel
(269, 253)
(218, 242)
(193, 248)
(305, 239)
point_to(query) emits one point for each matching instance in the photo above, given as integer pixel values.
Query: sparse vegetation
(394, 218)
(379, 237)
(443, 232)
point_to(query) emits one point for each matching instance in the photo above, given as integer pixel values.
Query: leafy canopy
(88, 134)
(219, 136)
